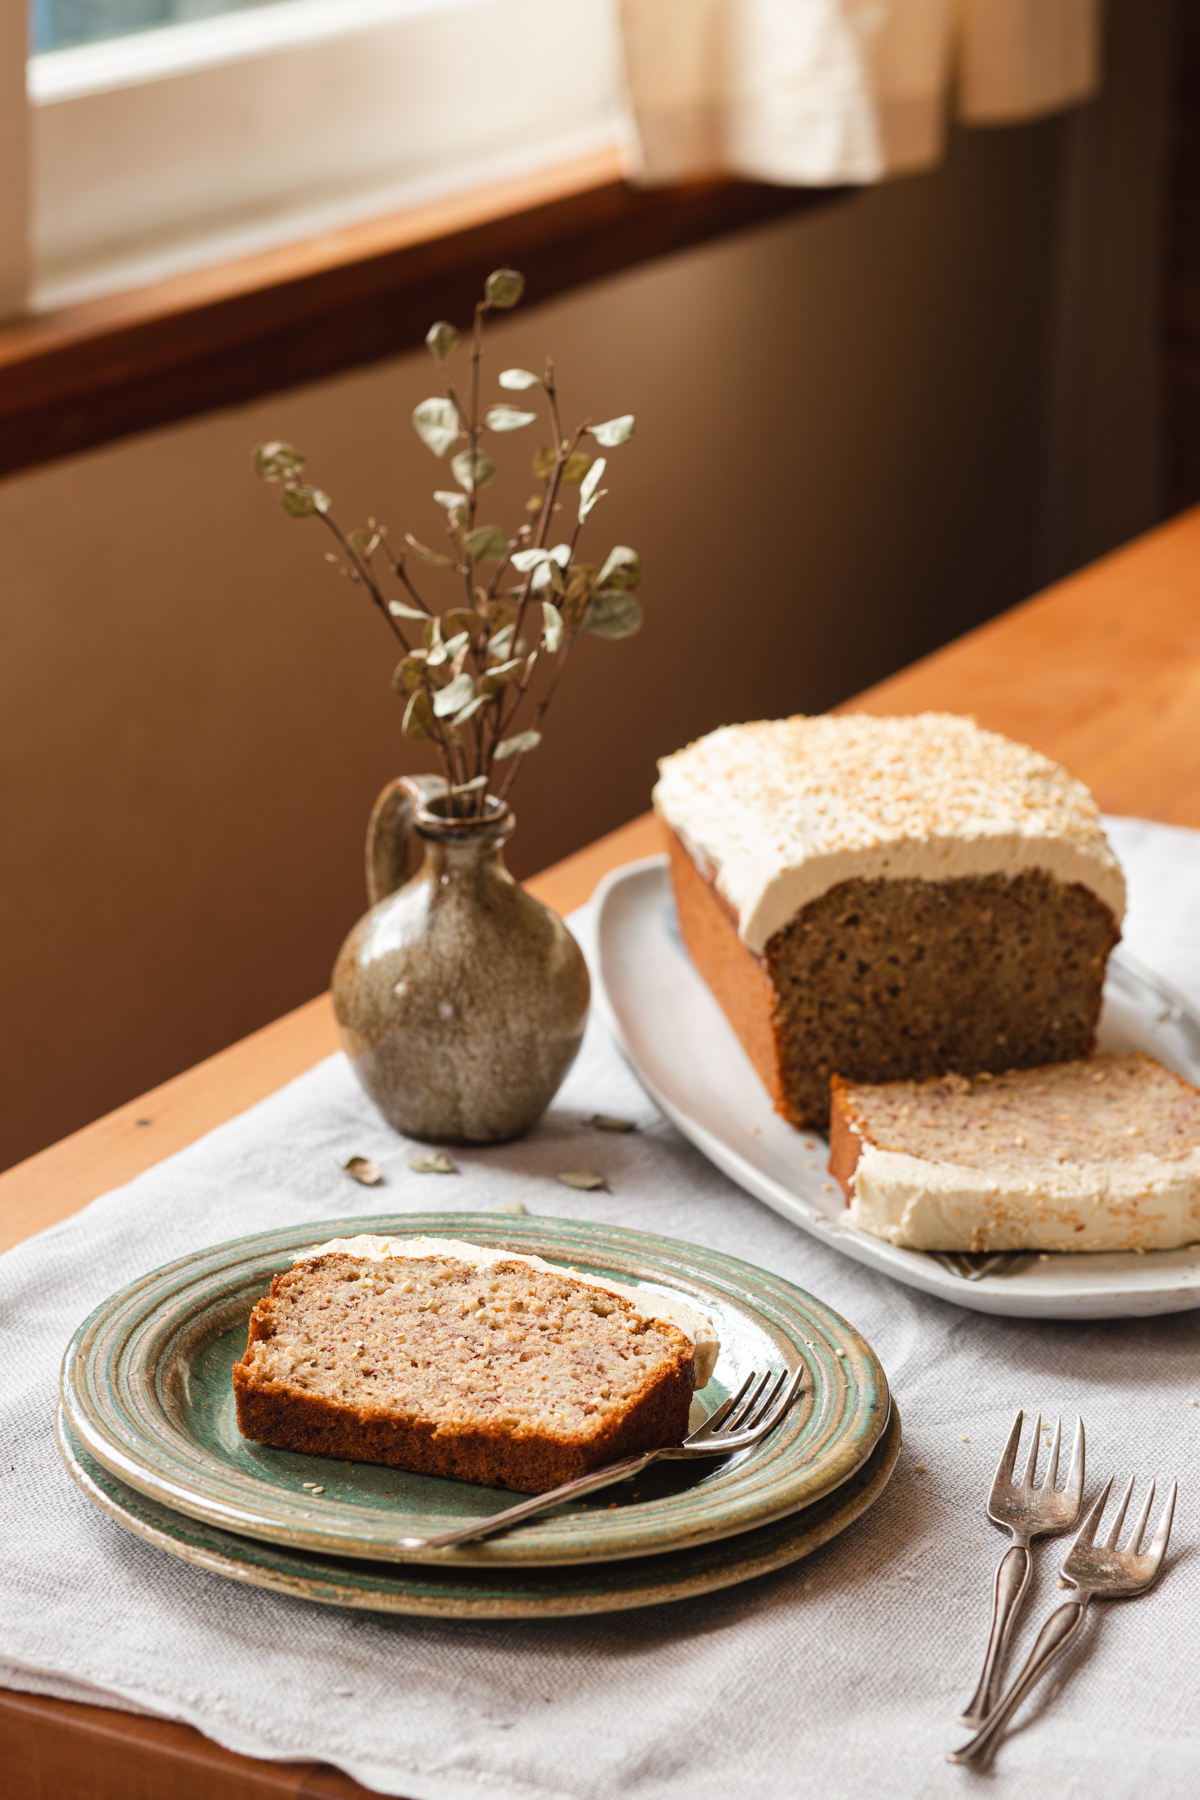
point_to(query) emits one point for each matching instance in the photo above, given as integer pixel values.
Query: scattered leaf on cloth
(432, 1162)
(364, 1170)
(582, 1178)
(517, 1207)
(603, 1122)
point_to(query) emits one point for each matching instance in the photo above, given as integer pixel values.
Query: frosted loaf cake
(447, 1358)
(1101, 1154)
(887, 898)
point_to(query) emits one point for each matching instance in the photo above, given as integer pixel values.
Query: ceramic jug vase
(460, 999)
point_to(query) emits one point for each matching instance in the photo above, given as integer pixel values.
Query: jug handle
(388, 832)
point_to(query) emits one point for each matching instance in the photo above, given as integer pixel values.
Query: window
(165, 134)
(53, 24)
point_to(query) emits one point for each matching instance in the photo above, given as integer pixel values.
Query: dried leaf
(459, 620)
(547, 575)
(491, 683)
(406, 676)
(500, 645)
(418, 715)
(474, 469)
(440, 339)
(622, 568)
(582, 1178)
(615, 615)
(436, 424)
(400, 609)
(587, 491)
(605, 1122)
(432, 1162)
(302, 502)
(504, 287)
(454, 503)
(518, 378)
(453, 696)
(614, 431)
(486, 544)
(426, 554)
(552, 634)
(277, 462)
(458, 642)
(524, 560)
(519, 745)
(468, 712)
(470, 787)
(364, 1170)
(507, 418)
(543, 463)
(576, 466)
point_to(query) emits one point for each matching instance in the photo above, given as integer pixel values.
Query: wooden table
(1101, 672)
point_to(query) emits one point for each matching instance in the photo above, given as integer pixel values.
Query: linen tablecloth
(838, 1677)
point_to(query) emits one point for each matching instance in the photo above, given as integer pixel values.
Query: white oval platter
(686, 1056)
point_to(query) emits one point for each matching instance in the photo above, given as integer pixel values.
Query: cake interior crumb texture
(884, 978)
(500, 1375)
(1097, 1154)
(1098, 1110)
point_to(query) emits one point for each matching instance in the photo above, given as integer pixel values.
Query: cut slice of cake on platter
(1098, 1154)
(884, 898)
(448, 1358)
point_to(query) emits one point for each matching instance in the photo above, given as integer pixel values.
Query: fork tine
(733, 1408)
(740, 1420)
(749, 1424)
(1051, 1475)
(1087, 1531)
(789, 1386)
(1110, 1542)
(1074, 1487)
(1162, 1536)
(1135, 1542)
(1031, 1460)
(1004, 1468)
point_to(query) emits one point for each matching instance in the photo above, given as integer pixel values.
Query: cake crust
(502, 1376)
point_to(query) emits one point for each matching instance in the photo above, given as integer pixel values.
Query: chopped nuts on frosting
(784, 809)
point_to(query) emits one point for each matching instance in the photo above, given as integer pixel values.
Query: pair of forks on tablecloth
(1093, 1570)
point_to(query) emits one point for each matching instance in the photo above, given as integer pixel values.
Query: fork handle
(538, 1503)
(1012, 1584)
(1058, 1631)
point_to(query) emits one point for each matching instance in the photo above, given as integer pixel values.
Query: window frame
(77, 376)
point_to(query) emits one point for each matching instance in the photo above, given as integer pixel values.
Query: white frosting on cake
(785, 809)
(1139, 1203)
(694, 1325)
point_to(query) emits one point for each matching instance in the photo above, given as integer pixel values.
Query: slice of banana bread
(500, 1373)
(1098, 1154)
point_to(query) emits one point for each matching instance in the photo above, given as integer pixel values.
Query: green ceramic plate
(147, 1391)
(487, 1593)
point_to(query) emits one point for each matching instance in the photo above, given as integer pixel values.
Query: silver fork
(742, 1420)
(1027, 1512)
(1092, 1569)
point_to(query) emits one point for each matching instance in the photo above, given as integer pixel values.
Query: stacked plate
(147, 1429)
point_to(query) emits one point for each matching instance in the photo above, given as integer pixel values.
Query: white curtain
(813, 93)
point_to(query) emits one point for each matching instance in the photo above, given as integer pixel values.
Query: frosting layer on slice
(785, 809)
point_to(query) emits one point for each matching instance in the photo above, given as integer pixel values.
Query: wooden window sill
(101, 370)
